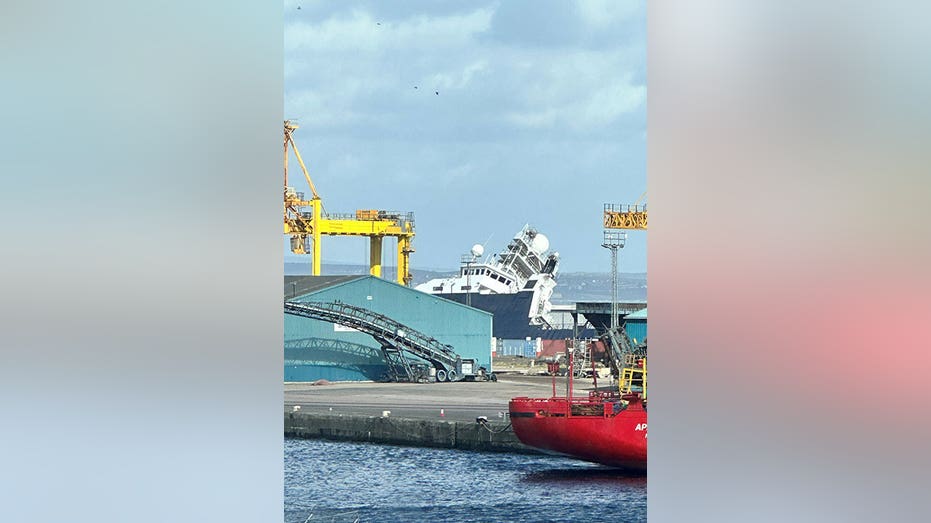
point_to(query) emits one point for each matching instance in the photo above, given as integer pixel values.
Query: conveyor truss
(627, 360)
(396, 340)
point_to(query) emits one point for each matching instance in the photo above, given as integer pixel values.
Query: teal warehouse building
(315, 349)
(635, 324)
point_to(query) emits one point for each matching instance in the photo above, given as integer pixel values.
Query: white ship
(515, 285)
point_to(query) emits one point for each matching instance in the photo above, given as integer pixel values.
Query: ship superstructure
(525, 267)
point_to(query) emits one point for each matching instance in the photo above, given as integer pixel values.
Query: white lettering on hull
(642, 427)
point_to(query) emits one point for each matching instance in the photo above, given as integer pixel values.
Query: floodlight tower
(614, 240)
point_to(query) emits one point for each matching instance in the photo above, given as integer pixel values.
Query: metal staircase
(395, 339)
(581, 357)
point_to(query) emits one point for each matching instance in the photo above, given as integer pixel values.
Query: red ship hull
(605, 432)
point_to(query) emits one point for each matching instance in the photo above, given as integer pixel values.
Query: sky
(478, 117)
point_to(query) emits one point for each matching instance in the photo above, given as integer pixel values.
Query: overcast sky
(540, 119)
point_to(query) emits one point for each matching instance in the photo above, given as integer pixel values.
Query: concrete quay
(419, 414)
(492, 437)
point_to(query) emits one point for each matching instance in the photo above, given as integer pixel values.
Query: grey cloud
(525, 125)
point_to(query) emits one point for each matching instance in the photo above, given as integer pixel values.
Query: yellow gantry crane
(302, 225)
(622, 216)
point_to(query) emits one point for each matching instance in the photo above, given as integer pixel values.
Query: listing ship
(607, 427)
(515, 285)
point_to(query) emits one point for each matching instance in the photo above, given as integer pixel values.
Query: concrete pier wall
(493, 437)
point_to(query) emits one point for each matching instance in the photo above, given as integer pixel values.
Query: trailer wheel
(451, 375)
(440, 376)
(493, 377)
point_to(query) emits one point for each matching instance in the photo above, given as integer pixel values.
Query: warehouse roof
(300, 285)
(297, 286)
(639, 315)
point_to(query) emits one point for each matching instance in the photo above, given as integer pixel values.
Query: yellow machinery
(626, 216)
(633, 376)
(302, 225)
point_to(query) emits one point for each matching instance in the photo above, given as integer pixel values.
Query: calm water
(344, 482)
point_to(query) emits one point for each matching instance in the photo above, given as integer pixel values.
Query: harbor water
(347, 482)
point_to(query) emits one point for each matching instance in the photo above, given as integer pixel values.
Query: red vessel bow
(606, 431)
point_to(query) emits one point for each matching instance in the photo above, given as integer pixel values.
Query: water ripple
(347, 482)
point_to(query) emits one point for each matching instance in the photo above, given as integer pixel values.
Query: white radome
(477, 250)
(540, 243)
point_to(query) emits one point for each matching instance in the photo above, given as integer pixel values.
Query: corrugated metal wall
(467, 330)
(636, 329)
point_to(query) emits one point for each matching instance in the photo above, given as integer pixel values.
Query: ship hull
(587, 430)
(511, 321)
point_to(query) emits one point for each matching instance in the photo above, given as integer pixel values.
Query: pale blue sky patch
(478, 117)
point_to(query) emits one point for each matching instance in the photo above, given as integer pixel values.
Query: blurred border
(788, 170)
(141, 311)
(141, 330)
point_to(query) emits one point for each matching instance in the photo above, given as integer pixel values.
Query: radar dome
(540, 243)
(477, 250)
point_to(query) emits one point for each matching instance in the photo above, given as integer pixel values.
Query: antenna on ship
(485, 243)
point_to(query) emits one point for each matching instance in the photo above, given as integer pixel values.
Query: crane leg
(404, 269)
(315, 207)
(375, 255)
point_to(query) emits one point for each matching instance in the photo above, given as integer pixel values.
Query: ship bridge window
(530, 284)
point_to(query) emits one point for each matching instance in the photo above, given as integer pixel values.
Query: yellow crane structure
(632, 371)
(303, 225)
(623, 216)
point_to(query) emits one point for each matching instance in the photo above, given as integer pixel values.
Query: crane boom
(289, 127)
(302, 225)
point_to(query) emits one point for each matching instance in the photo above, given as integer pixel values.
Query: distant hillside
(572, 287)
(596, 286)
(420, 275)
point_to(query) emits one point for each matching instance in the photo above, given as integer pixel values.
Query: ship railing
(606, 407)
(595, 407)
(624, 208)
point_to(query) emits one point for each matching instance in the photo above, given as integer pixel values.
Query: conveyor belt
(393, 336)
